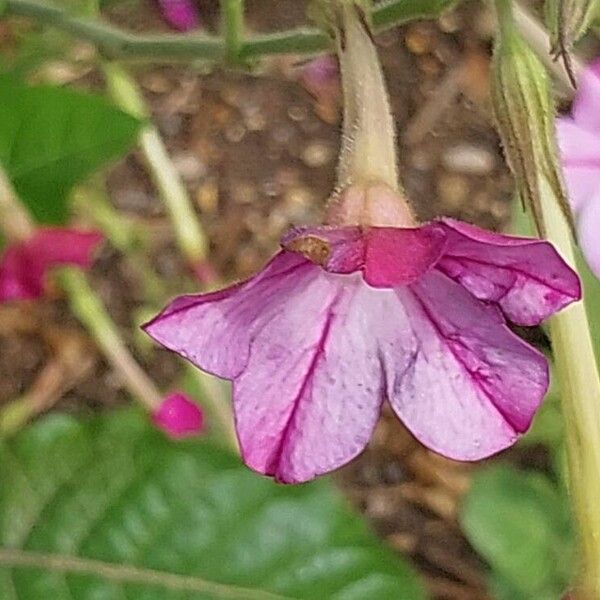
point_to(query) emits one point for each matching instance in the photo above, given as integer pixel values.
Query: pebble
(317, 154)
(453, 190)
(189, 166)
(469, 159)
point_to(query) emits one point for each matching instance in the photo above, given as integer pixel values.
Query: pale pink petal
(580, 159)
(587, 100)
(215, 331)
(525, 276)
(471, 386)
(311, 394)
(588, 233)
(179, 416)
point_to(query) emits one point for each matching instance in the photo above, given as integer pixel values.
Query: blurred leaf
(51, 138)
(118, 499)
(548, 425)
(519, 522)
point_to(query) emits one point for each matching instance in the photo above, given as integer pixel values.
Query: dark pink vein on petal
(273, 466)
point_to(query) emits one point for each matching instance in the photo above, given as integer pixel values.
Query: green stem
(580, 385)
(232, 14)
(13, 216)
(190, 236)
(116, 43)
(88, 308)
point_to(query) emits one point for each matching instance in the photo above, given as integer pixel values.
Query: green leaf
(519, 522)
(395, 12)
(109, 509)
(51, 138)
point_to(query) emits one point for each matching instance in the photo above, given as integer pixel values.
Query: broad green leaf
(393, 11)
(51, 138)
(109, 509)
(519, 522)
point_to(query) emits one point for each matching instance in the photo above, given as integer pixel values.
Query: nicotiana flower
(24, 265)
(344, 317)
(579, 140)
(179, 417)
(180, 14)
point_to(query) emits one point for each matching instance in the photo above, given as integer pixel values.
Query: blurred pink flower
(321, 79)
(24, 265)
(180, 14)
(179, 417)
(579, 140)
(345, 317)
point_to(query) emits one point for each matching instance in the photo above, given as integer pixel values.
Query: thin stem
(88, 308)
(232, 15)
(190, 236)
(14, 218)
(127, 574)
(116, 43)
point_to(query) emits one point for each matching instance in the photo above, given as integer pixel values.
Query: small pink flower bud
(180, 14)
(179, 417)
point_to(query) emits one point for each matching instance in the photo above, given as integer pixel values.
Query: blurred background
(256, 151)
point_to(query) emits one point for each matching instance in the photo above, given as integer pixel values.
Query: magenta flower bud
(321, 79)
(345, 317)
(24, 265)
(179, 417)
(579, 140)
(180, 14)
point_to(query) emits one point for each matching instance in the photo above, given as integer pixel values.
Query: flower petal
(24, 265)
(580, 159)
(588, 227)
(471, 385)
(388, 256)
(525, 276)
(215, 331)
(587, 100)
(396, 256)
(311, 394)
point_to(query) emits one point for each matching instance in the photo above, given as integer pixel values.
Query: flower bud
(178, 416)
(525, 112)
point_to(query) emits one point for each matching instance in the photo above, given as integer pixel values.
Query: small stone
(317, 154)
(189, 166)
(469, 159)
(235, 133)
(453, 190)
(207, 196)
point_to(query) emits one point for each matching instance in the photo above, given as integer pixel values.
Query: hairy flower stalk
(374, 306)
(570, 331)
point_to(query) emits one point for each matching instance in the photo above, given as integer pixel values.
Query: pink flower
(579, 140)
(24, 265)
(344, 317)
(179, 417)
(180, 14)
